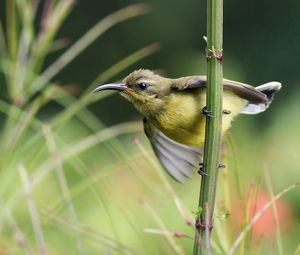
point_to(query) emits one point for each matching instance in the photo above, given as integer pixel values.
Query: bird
(174, 121)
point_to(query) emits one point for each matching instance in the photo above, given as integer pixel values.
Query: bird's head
(144, 89)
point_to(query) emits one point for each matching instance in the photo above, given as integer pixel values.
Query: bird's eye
(143, 85)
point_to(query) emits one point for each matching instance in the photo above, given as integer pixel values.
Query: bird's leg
(201, 170)
(206, 112)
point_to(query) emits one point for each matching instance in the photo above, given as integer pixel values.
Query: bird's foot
(221, 166)
(201, 170)
(206, 112)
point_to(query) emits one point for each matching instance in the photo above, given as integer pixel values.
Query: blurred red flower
(265, 225)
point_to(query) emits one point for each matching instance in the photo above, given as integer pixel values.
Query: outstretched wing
(243, 90)
(258, 98)
(179, 160)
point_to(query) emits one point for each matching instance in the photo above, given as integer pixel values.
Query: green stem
(211, 160)
(12, 28)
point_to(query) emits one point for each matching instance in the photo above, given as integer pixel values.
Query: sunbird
(174, 120)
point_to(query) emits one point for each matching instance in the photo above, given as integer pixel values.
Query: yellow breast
(182, 120)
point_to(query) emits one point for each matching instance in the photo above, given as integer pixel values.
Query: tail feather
(269, 89)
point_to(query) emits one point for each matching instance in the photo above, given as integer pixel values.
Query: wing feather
(243, 90)
(179, 160)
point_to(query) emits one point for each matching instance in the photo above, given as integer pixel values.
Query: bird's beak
(112, 86)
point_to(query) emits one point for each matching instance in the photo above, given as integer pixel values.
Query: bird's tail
(269, 89)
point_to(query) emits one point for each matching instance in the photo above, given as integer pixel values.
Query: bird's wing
(241, 89)
(179, 160)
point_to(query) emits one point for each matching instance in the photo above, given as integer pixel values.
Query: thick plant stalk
(213, 112)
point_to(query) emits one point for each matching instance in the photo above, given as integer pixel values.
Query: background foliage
(77, 176)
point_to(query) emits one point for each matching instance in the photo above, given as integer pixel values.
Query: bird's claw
(221, 166)
(206, 112)
(201, 170)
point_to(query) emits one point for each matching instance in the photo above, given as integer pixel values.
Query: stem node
(214, 54)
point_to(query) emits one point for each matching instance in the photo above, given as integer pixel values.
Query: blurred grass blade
(63, 185)
(2, 43)
(75, 149)
(77, 105)
(33, 211)
(90, 233)
(180, 207)
(13, 115)
(27, 20)
(11, 30)
(123, 64)
(86, 143)
(19, 121)
(94, 180)
(252, 201)
(171, 239)
(19, 62)
(68, 195)
(87, 39)
(297, 251)
(256, 217)
(17, 90)
(18, 234)
(12, 41)
(275, 212)
(27, 116)
(52, 19)
(167, 233)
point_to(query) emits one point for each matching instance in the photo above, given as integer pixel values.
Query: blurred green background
(77, 175)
